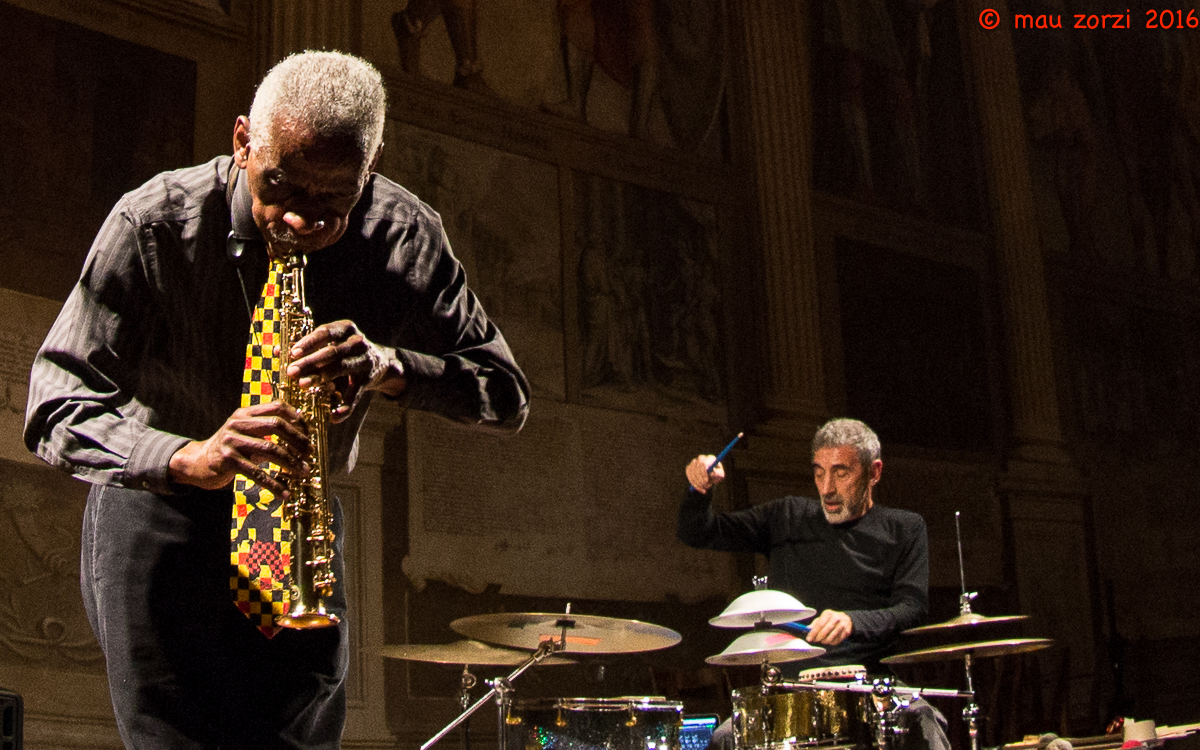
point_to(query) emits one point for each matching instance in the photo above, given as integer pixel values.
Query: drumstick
(724, 452)
(799, 627)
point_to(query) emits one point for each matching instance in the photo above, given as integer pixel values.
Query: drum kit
(828, 708)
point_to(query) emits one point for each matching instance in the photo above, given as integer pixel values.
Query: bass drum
(629, 723)
(787, 718)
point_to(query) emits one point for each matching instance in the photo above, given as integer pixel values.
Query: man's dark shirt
(148, 351)
(875, 568)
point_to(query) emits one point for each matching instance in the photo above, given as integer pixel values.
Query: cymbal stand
(768, 675)
(501, 691)
(964, 599)
(971, 711)
(464, 697)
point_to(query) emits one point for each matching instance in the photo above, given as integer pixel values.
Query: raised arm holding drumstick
(864, 567)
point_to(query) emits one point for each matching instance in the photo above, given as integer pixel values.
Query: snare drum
(787, 718)
(630, 723)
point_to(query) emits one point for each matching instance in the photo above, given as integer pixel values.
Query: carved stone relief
(41, 614)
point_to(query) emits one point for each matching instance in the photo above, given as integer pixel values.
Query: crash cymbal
(775, 646)
(751, 608)
(964, 621)
(471, 653)
(979, 650)
(585, 634)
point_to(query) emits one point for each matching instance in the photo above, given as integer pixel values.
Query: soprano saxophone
(308, 511)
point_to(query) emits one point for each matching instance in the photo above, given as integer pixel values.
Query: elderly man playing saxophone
(142, 389)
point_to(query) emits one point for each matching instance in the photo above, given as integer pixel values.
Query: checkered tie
(259, 546)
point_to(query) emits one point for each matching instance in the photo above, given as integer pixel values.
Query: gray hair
(332, 93)
(838, 432)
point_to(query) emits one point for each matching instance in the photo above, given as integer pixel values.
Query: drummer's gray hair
(838, 432)
(333, 93)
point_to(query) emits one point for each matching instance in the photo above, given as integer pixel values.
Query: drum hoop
(623, 703)
(828, 674)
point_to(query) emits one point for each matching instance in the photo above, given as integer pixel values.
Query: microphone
(235, 249)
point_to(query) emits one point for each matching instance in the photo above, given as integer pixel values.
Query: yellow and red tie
(259, 544)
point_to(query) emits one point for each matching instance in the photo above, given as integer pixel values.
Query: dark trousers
(186, 669)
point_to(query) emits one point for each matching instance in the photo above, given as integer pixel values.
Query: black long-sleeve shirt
(875, 568)
(148, 351)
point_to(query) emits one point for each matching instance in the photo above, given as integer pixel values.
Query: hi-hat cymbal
(980, 650)
(964, 621)
(585, 634)
(464, 652)
(774, 646)
(753, 607)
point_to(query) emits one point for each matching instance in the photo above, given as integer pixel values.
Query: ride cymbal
(966, 620)
(585, 634)
(753, 607)
(773, 646)
(980, 650)
(471, 653)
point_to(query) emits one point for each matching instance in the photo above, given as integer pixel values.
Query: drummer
(863, 567)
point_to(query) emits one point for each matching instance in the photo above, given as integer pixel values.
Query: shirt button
(145, 484)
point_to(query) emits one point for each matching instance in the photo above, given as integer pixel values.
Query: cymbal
(980, 650)
(775, 646)
(465, 653)
(964, 621)
(753, 607)
(586, 634)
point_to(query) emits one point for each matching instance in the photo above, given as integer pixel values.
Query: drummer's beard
(850, 506)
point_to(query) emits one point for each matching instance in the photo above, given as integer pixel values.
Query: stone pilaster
(1043, 497)
(780, 126)
(1030, 367)
(286, 26)
(361, 494)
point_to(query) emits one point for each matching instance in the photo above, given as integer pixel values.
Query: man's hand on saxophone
(339, 353)
(241, 445)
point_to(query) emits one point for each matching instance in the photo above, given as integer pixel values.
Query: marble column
(361, 493)
(779, 126)
(1033, 402)
(286, 26)
(1044, 499)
